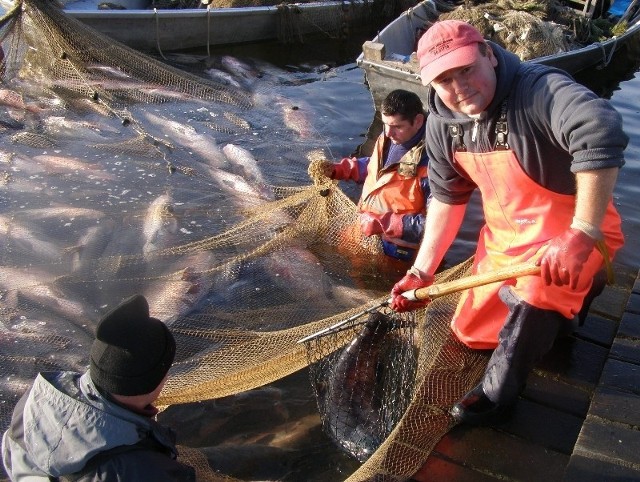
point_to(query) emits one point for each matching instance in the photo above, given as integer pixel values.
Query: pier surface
(579, 416)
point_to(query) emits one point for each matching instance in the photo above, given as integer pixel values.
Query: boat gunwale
(204, 12)
(604, 46)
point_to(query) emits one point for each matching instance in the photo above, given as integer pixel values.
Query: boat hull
(388, 62)
(180, 29)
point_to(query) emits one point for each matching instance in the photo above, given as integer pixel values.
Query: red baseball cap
(446, 45)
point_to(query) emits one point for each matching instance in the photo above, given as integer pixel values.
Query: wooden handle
(508, 272)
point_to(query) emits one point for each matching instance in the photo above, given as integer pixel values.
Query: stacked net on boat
(534, 29)
(121, 174)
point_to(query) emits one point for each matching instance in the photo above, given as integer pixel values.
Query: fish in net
(114, 182)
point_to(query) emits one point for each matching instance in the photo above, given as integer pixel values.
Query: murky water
(284, 414)
(273, 433)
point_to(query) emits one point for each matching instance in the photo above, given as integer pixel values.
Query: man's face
(399, 129)
(468, 89)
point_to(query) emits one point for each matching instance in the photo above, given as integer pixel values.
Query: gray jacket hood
(66, 421)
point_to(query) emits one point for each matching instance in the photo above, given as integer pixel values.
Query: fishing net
(532, 29)
(121, 174)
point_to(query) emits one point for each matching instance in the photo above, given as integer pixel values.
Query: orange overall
(396, 189)
(521, 217)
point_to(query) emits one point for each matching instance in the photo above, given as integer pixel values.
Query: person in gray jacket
(99, 426)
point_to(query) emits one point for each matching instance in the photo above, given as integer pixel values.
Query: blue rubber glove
(562, 262)
(411, 281)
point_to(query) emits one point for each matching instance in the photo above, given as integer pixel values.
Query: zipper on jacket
(474, 132)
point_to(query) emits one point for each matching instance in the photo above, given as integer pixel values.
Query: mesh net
(534, 29)
(112, 184)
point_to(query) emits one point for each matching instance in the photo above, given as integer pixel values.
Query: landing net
(122, 175)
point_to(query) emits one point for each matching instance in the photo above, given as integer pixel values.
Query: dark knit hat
(132, 352)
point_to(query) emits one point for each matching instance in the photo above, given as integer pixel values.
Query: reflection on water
(620, 83)
(273, 432)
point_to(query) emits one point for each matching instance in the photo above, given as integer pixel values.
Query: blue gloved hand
(387, 223)
(411, 281)
(562, 262)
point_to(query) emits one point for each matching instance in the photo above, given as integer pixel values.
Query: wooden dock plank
(579, 415)
(489, 452)
(589, 469)
(616, 405)
(615, 443)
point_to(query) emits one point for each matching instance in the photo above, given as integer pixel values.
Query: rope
(208, 29)
(155, 14)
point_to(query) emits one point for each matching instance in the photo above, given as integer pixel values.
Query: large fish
(296, 115)
(60, 127)
(14, 99)
(245, 163)
(252, 461)
(236, 187)
(160, 225)
(38, 286)
(353, 396)
(202, 145)
(186, 284)
(297, 271)
(223, 78)
(28, 240)
(71, 165)
(61, 212)
(85, 253)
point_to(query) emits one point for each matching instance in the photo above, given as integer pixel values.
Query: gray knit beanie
(132, 352)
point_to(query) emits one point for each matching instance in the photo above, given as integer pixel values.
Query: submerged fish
(246, 163)
(252, 462)
(185, 135)
(160, 225)
(181, 291)
(71, 165)
(236, 186)
(28, 239)
(86, 252)
(39, 287)
(61, 127)
(353, 397)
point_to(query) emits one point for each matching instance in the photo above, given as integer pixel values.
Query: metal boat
(137, 24)
(389, 60)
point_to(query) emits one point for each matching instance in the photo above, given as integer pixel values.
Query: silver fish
(239, 188)
(245, 162)
(62, 128)
(60, 212)
(183, 288)
(202, 145)
(38, 286)
(160, 225)
(90, 246)
(223, 78)
(28, 239)
(66, 164)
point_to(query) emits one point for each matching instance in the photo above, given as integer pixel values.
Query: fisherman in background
(396, 188)
(99, 426)
(545, 152)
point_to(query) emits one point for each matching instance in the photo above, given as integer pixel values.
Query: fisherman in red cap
(544, 152)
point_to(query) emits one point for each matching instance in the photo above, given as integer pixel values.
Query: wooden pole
(446, 288)
(502, 274)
